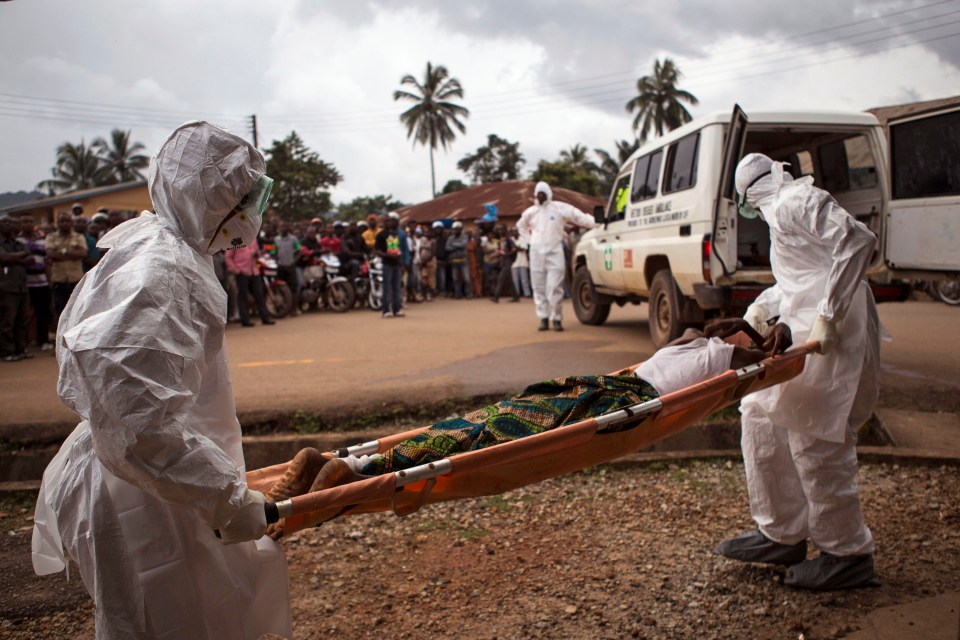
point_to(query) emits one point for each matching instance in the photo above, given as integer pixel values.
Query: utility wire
(13, 105)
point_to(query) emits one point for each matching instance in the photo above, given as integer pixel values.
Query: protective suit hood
(543, 187)
(766, 189)
(198, 176)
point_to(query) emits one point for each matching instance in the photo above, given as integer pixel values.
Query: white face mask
(241, 226)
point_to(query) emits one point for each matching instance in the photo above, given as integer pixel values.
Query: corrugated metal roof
(886, 114)
(511, 198)
(72, 196)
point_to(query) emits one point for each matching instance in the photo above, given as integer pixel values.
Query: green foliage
(429, 120)
(610, 164)
(498, 160)
(453, 185)
(121, 156)
(468, 534)
(78, 167)
(301, 179)
(567, 175)
(361, 207)
(658, 99)
(306, 422)
(102, 163)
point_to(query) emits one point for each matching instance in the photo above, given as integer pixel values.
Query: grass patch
(471, 534)
(434, 524)
(305, 422)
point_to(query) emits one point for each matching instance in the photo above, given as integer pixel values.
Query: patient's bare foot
(299, 475)
(333, 474)
(295, 481)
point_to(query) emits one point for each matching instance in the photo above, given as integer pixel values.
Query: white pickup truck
(670, 234)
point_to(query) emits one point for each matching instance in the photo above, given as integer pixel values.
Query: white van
(670, 234)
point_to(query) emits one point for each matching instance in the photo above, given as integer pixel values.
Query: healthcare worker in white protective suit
(799, 437)
(542, 226)
(137, 489)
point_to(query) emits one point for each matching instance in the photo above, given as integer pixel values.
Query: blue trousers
(392, 282)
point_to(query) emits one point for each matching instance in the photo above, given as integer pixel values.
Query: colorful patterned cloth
(540, 407)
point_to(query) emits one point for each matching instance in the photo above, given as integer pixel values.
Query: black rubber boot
(753, 546)
(828, 572)
(557, 325)
(544, 325)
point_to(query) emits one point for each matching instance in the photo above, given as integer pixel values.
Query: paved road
(346, 362)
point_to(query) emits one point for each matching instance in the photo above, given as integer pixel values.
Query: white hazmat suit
(137, 489)
(799, 437)
(542, 226)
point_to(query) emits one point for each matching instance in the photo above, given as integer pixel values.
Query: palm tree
(428, 120)
(658, 101)
(577, 156)
(78, 167)
(122, 157)
(609, 165)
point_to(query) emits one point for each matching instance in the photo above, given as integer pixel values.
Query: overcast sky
(545, 73)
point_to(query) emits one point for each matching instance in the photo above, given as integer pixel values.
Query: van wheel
(947, 291)
(588, 312)
(664, 309)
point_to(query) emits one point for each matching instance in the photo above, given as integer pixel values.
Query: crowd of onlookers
(42, 264)
(422, 261)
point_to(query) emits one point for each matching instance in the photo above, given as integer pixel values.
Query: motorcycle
(374, 284)
(323, 286)
(276, 293)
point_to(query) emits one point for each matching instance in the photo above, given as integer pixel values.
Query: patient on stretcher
(693, 358)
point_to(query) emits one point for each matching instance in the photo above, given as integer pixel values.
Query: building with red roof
(511, 198)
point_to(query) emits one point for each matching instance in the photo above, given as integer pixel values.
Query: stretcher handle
(269, 510)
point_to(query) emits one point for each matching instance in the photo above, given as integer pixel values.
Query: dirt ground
(599, 554)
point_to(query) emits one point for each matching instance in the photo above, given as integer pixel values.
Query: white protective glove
(756, 316)
(250, 523)
(825, 332)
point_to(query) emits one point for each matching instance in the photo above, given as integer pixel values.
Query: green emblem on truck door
(608, 258)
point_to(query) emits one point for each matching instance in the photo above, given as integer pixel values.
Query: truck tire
(664, 309)
(947, 291)
(588, 311)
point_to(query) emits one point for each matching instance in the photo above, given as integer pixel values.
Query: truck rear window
(681, 170)
(925, 157)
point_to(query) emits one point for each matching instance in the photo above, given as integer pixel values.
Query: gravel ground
(600, 554)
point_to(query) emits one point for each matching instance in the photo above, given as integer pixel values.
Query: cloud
(546, 73)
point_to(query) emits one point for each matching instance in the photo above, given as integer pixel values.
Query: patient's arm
(743, 357)
(726, 327)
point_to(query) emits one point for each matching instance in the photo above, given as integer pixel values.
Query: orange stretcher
(506, 466)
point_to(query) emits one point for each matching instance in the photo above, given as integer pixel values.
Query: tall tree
(610, 164)
(453, 186)
(78, 167)
(361, 207)
(121, 156)
(658, 99)
(301, 179)
(498, 160)
(578, 157)
(567, 175)
(429, 120)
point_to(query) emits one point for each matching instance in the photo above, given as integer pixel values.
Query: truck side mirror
(598, 211)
